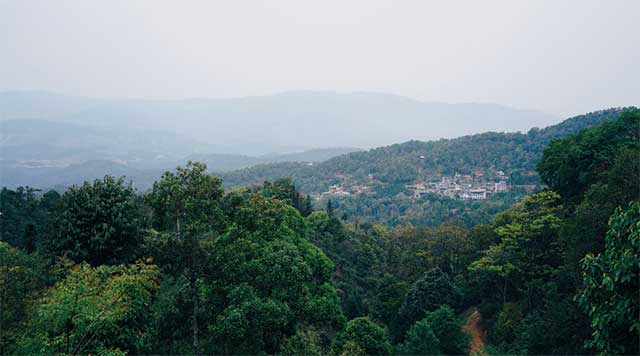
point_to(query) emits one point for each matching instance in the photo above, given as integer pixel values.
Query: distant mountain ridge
(68, 143)
(291, 121)
(56, 173)
(65, 143)
(516, 153)
(228, 162)
(399, 164)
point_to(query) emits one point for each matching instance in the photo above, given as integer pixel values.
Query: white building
(501, 186)
(474, 194)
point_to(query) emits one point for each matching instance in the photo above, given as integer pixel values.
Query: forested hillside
(376, 180)
(188, 268)
(515, 153)
(49, 154)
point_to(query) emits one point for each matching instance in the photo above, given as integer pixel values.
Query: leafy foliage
(93, 310)
(528, 248)
(273, 278)
(535, 262)
(23, 216)
(439, 333)
(610, 294)
(420, 340)
(362, 333)
(21, 277)
(304, 342)
(255, 271)
(426, 295)
(189, 198)
(447, 327)
(570, 166)
(98, 223)
(284, 189)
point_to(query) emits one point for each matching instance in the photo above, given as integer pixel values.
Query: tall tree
(571, 165)
(270, 279)
(439, 333)
(21, 276)
(448, 249)
(420, 340)
(98, 222)
(93, 310)
(610, 294)
(23, 216)
(426, 295)
(284, 189)
(364, 333)
(188, 203)
(447, 327)
(528, 249)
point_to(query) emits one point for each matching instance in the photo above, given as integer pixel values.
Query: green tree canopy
(284, 189)
(23, 216)
(420, 340)
(610, 294)
(529, 248)
(571, 165)
(364, 333)
(304, 342)
(426, 295)
(439, 333)
(269, 278)
(92, 310)
(21, 277)
(99, 223)
(187, 203)
(187, 199)
(447, 327)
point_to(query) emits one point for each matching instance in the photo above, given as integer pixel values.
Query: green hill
(514, 153)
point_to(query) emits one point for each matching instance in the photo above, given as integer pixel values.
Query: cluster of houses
(462, 187)
(340, 191)
(457, 187)
(336, 190)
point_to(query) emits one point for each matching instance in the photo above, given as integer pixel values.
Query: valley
(319, 178)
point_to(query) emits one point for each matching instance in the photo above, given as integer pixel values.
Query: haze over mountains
(516, 154)
(48, 138)
(279, 123)
(35, 174)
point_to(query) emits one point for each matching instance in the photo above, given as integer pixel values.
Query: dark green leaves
(99, 223)
(610, 294)
(366, 335)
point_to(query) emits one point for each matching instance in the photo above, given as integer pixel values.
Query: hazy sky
(562, 57)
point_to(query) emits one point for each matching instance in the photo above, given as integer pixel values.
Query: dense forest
(388, 169)
(515, 153)
(189, 268)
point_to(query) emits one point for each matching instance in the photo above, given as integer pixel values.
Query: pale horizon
(563, 58)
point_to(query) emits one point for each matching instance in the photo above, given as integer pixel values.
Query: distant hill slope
(284, 122)
(514, 153)
(23, 164)
(230, 162)
(395, 165)
(37, 139)
(66, 143)
(12, 175)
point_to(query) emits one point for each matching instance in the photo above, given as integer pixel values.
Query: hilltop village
(457, 186)
(461, 187)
